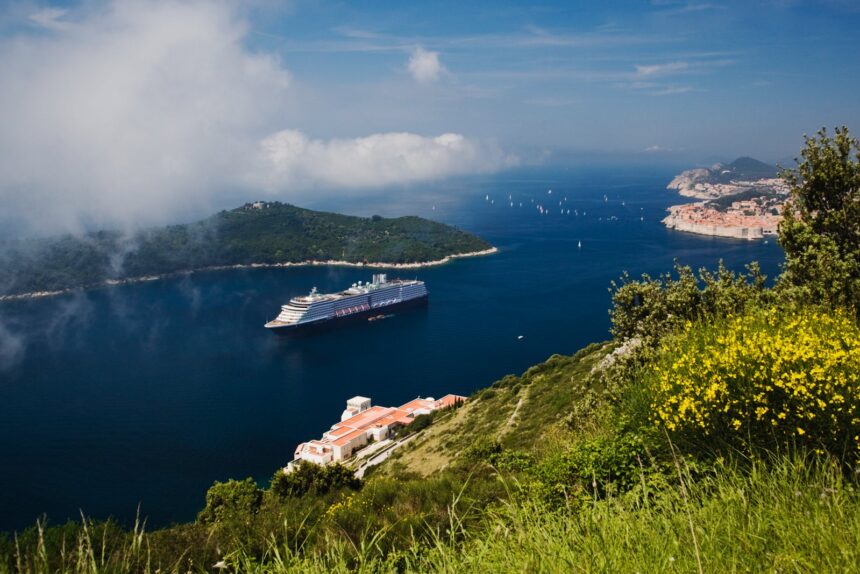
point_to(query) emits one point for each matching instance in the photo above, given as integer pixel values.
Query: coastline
(677, 223)
(311, 263)
(752, 214)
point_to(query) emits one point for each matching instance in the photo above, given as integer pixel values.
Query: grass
(545, 394)
(789, 514)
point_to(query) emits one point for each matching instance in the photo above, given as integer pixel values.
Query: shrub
(420, 423)
(763, 379)
(310, 478)
(651, 307)
(234, 499)
(592, 468)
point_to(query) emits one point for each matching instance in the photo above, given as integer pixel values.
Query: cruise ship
(359, 301)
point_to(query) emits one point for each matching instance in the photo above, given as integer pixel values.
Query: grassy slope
(277, 233)
(526, 412)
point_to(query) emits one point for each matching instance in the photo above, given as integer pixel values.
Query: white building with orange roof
(361, 422)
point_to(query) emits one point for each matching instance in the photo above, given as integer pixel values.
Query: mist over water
(146, 394)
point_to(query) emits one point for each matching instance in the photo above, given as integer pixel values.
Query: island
(259, 234)
(742, 200)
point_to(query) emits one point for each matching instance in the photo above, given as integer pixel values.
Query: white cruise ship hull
(323, 324)
(317, 311)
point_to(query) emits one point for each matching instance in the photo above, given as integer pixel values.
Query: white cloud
(51, 18)
(424, 65)
(12, 348)
(661, 69)
(377, 160)
(658, 149)
(140, 111)
(672, 90)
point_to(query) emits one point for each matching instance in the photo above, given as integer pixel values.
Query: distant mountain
(742, 169)
(265, 233)
(722, 179)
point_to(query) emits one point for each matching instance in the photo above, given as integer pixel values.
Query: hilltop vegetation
(266, 233)
(742, 169)
(718, 431)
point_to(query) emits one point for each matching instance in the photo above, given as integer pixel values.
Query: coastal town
(361, 424)
(748, 208)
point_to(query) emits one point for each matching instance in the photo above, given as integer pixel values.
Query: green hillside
(741, 169)
(254, 233)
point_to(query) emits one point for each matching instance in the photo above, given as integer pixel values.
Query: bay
(140, 396)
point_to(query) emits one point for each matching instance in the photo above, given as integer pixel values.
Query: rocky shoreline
(311, 263)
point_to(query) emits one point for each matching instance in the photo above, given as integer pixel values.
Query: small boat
(579, 244)
(520, 338)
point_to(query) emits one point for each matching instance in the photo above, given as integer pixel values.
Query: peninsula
(260, 234)
(743, 200)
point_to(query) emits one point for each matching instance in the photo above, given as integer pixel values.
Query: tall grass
(788, 514)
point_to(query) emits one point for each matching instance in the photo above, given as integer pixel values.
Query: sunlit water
(146, 394)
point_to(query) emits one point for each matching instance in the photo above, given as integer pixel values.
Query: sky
(125, 113)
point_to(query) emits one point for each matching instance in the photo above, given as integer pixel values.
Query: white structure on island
(361, 422)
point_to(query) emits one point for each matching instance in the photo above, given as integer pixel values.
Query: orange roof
(346, 431)
(365, 418)
(345, 439)
(450, 400)
(416, 404)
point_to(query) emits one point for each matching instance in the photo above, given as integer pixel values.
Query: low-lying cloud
(376, 160)
(12, 348)
(129, 112)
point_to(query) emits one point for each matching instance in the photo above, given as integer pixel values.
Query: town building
(361, 423)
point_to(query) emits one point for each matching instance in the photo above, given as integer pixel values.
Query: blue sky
(128, 111)
(707, 79)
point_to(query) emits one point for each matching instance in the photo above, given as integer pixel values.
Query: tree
(820, 230)
(234, 499)
(650, 307)
(310, 478)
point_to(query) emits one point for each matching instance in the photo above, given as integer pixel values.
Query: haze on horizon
(131, 112)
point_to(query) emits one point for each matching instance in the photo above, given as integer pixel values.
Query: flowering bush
(765, 378)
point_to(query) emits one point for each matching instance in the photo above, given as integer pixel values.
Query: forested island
(260, 233)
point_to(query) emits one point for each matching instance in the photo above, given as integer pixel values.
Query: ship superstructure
(359, 300)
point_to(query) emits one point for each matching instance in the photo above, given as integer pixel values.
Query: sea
(132, 400)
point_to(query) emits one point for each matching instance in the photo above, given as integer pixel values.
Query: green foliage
(652, 307)
(820, 231)
(234, 499)
(770, 379)
(592, 468)
(420, 423)
(273, 233)
(786, 514)
(308, 478)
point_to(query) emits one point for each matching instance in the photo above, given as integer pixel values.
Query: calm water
(146, 394)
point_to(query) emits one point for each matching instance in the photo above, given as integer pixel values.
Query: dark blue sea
(143, 395)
